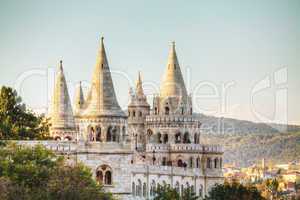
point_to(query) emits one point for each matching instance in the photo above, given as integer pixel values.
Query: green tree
(38, 174)
(166, 193)
(16, 122)
(189, 194)
(234, 191)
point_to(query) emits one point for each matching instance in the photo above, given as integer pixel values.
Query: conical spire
(173, 83)
(61, 112)
(139, 86)
(79, 99)
(102, 100)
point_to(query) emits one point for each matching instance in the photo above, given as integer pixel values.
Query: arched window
(152, 188)
(179, 163)
(182, 111)
(104, 175)
(133, 189)
(128, 113)
(195, 138)
(178, 138)
(144, 190)
(198, 162)
(201, 191)
(140, 114)
(177, 187)
(191, 162)
(109, 134)
(99, 177)
(167, 110)
(133, 113)
(208, 163)
(107, 178)
(57, 138)
(98, 134)
(165, 139)
(92, 134)
(155, 110)
(164, 161)
(139, 188)
(216, 162)
(68, 138)
(159, 138)
(186, 138)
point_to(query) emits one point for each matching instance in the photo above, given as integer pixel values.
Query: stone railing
(184, 147)
(171, 118)
(175, 171)
(66, 147)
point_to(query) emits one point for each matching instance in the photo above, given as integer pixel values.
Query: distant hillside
(245, 150)
(228, 126)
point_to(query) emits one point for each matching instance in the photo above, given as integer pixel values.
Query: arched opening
(104, 175)
(115, 134)
(165, 139)
(139, 188)
(191, 162)
(159, 138)
(144, 190)
(182, 111)
(57, 138)
(186, 138)
(208, 163)
(107, 178)
(177, 187)
(99, 177)
(201, 191)
(92, 134)
(155, 111)
(98, 134)
(178, 138)
(152, 188)
(133, 189)
(164, 161)
(68, 138)
(179, 163)
(216, 162)
(140, 114)
(167, 110)
(195, 138)
(109, 134)
(133, 113)
(198, 162)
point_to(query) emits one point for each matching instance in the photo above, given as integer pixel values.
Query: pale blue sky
(243, 41)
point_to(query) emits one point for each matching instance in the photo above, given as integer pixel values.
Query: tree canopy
(38, 174)
(16, 122)
(234, 191)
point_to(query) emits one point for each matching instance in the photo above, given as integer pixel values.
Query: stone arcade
(132, 153)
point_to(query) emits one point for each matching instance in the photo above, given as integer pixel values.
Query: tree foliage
(167, 193)
(38, 174)
(16, 122)
(234, 191)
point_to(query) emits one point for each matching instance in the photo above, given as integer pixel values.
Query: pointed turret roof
(61, 110)
(79, 99)
(101, 100)
(139, 86)
(173, 83)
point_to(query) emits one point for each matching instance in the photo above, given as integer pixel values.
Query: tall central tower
(100, 118)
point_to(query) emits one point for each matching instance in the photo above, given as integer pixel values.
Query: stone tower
(138, 109)
(173, 97)
(101, 118)
(79, 100)
(62, 119)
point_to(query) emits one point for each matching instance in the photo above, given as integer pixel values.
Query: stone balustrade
(184, 147)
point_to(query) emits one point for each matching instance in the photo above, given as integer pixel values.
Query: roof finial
(173, 44)
(61, 65)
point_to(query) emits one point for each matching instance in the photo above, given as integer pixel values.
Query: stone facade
(131, 154)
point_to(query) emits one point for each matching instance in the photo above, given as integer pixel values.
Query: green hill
(247, 149)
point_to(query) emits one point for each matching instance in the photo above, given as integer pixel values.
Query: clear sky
(250, 47)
